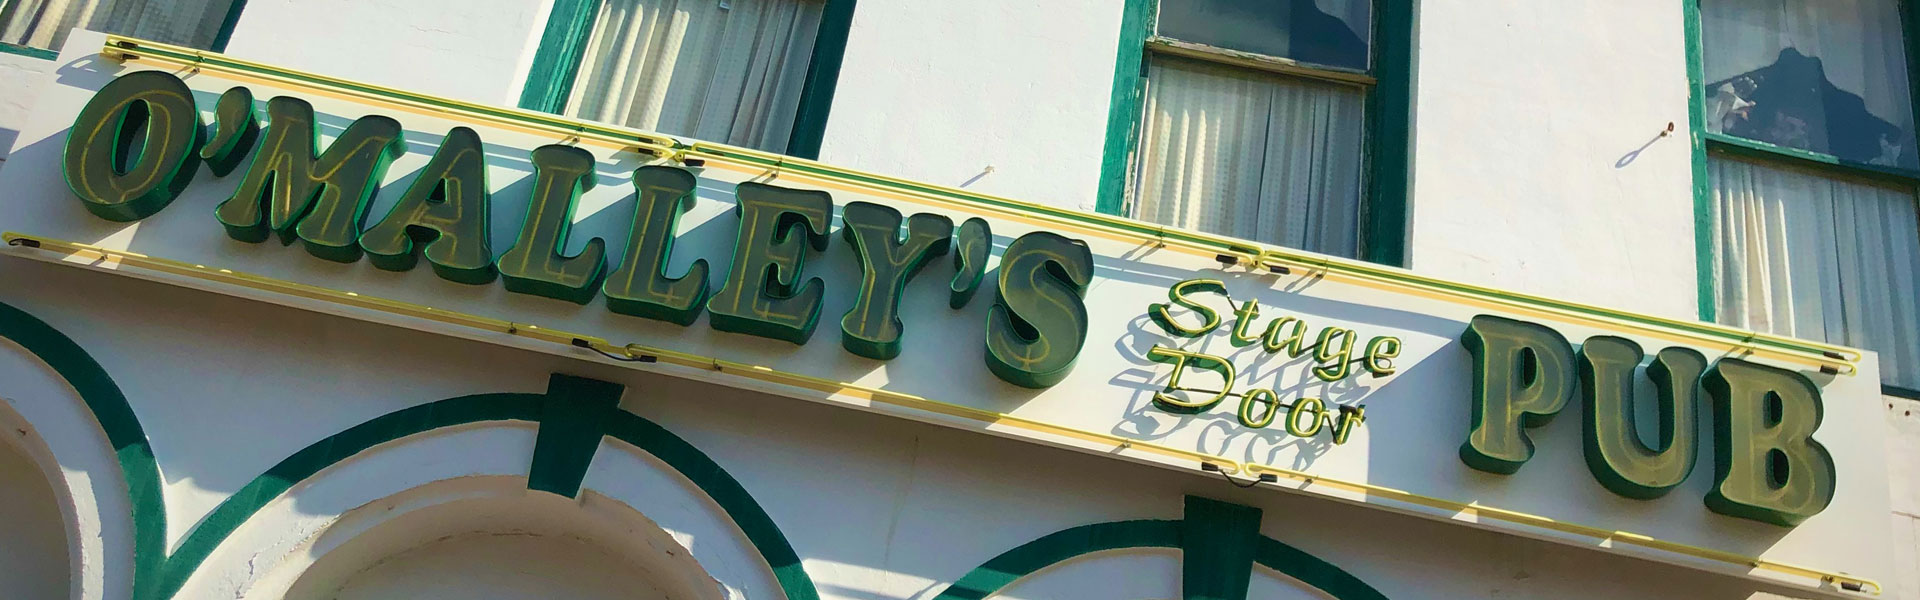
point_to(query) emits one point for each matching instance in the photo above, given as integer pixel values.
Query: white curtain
(1812, 257)
(1858, 42)
(45, 23)
(726, 71)
(1251, 155)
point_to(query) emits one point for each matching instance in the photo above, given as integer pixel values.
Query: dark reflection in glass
(1298, 29)
(1792, 103)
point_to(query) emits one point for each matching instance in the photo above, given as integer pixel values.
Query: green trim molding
(1696, 136)
(1220, 542)
(823, 77)
(1389, 119)
(1123, 105)
(40, 53)
(573, 416)
(557, 61)
(227, 25)
(556, 65)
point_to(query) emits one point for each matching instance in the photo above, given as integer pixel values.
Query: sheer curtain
(45, 23)
(1250, 155)
(1807, 256)
(718, 70)
(1758, 51)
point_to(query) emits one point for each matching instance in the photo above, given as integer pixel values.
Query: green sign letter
(1522, 376)
(131, 151)
(872, 327)
(1613, 447)
(1766, 465)
(293, 189)
(971, 246)
(640, 286)
(763, 294)
(535, 264)
(1036, 329)
(444, 210)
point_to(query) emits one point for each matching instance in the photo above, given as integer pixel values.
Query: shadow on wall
(34, 540)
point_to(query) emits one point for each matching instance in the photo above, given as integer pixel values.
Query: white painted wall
(475, 50)
(20, 78)
(939, 91)
(1528, 114)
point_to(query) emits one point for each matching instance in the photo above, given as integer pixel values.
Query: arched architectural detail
(570, 429)
(1220, 543)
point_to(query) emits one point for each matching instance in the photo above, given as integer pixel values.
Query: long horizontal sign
(1344, 382)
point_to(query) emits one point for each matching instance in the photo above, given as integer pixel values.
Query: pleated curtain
(1814, 257)
(45, 23)
(1252, 155)
(726, 71)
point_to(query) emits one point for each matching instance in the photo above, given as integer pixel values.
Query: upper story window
(1254, 121)
(44, 24)
(1812, 172)
(741, 72)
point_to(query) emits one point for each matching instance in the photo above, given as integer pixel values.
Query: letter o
(1247, 401)
(103, 138)
(1314, 407)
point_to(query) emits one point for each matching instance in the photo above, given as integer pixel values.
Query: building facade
(885, 299)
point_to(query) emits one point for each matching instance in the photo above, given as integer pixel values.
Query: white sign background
(1416, 418)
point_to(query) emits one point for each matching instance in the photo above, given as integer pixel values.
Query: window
(1255, 121)
(44, 24)
(729, 71)
(1812, 169)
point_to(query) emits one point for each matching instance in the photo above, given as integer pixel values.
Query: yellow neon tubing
(796, 380)
(1254, 255)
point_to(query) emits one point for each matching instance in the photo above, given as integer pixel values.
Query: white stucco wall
(20, 78)
(940, 91)
(475, 50)
(1528, 115)
(911, 506)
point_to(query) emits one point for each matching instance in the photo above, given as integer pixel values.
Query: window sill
(40, 53)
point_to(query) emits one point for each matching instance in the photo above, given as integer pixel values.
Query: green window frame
(219, 41)
(1706, 144)
(1389, 120)
(556, 64)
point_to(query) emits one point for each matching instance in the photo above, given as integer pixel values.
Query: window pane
(45, 23)
(717, 70)
(1251, 155)
(1324, 32)
(1823, 75)
(1807, 256)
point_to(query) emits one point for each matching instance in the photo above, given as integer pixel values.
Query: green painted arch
(1198, 533)
(159, 576)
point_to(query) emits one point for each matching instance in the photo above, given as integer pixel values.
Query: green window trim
(227, 26)
(556, 64)
(40, 53)
(1389, 132)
